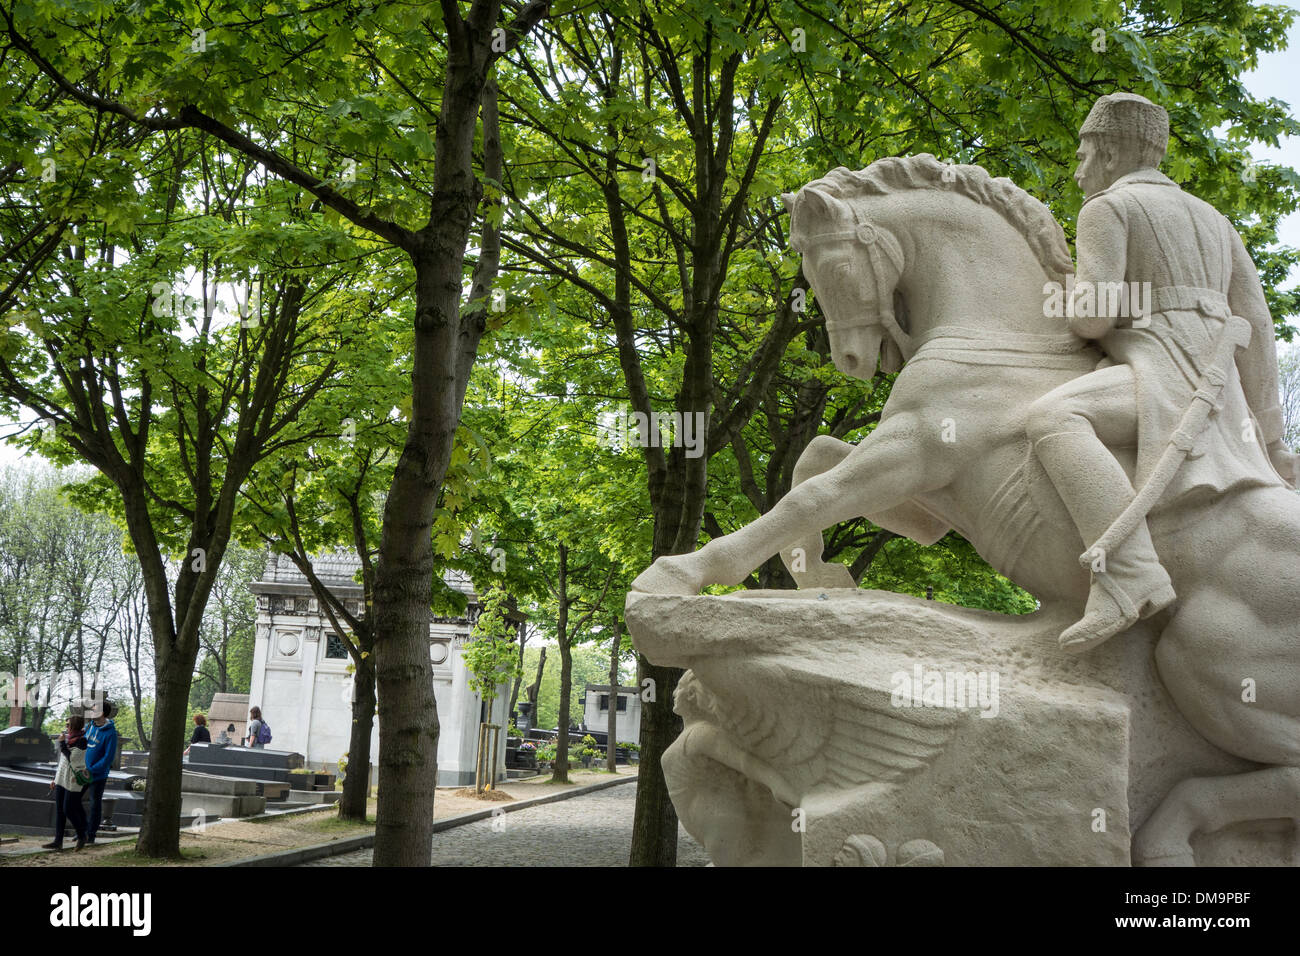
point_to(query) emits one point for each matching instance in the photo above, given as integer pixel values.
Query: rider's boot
(1133, 585)
(1130, 582)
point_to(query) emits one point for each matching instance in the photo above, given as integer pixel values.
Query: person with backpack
(259, 731)
(70, 779)
(101, 749)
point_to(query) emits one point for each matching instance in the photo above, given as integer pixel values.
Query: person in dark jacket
(69, 780)
(101, 740)
(201, 733)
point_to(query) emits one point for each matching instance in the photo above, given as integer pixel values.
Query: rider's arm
(1257, 363)
(1101, 244)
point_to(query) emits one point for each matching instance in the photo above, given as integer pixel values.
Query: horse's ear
(788, 199)
(816, 205)
(816, 209)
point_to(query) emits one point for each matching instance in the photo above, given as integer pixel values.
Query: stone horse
(940, 271)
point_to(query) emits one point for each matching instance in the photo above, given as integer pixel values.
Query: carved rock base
(803, 743)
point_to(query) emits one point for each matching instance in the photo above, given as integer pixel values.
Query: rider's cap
(1127, 116)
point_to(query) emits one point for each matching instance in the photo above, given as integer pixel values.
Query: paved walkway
(592, 830)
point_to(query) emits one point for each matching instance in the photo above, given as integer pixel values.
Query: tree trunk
(611, 746)
(654, 832)
(519, 678)
(223, 675)
(408, 712)
(139, 726)
(445, 349)
(678, 494)
(352, 805)
(535, 688)
(443, 357)
(561, 772)
(160, 829)
(654, 828)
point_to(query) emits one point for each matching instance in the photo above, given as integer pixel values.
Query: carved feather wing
(821, 732)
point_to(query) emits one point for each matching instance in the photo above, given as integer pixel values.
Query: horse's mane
(1027, 215)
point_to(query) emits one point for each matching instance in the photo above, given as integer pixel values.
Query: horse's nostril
(850, 360)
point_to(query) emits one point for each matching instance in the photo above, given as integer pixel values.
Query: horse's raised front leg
(897, 461)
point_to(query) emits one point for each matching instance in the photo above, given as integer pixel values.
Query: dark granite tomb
(249, 763)
(25, 745)
(27, 765)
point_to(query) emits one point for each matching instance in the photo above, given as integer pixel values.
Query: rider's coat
(1145, 229)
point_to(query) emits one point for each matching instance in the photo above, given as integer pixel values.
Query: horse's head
(910, 244)
(854, 267)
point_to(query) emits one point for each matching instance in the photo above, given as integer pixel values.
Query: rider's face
(1096, 170)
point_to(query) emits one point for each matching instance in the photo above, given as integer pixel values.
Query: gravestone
(24, 789)
(220, 796)
(24, 745)
(252, 763)
(28, 761)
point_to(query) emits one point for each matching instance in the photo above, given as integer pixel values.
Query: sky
(1277, 75)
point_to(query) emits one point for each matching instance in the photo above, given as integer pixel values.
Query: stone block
(214, 805)
(258, 757)
(192, 782)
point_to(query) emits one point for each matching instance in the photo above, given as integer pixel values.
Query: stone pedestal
(805, 742)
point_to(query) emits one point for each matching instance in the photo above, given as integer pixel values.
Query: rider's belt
(1189, 298)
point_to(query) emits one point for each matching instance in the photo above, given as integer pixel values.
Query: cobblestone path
(591, 830)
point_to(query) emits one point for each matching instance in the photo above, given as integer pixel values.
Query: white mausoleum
(627, 717)
(301, 676)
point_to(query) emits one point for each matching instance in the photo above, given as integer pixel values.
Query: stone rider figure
(1137, 226)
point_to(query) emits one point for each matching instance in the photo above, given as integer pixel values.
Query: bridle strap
(875, 240)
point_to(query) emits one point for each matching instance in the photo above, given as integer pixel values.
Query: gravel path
(592, 830)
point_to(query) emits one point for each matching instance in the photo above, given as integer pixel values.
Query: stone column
(261, 654)
(458, 740)
(310, 647)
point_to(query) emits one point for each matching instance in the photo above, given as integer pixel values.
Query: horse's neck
(978, 283)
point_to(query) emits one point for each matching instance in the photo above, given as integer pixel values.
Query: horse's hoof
(672, 574)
